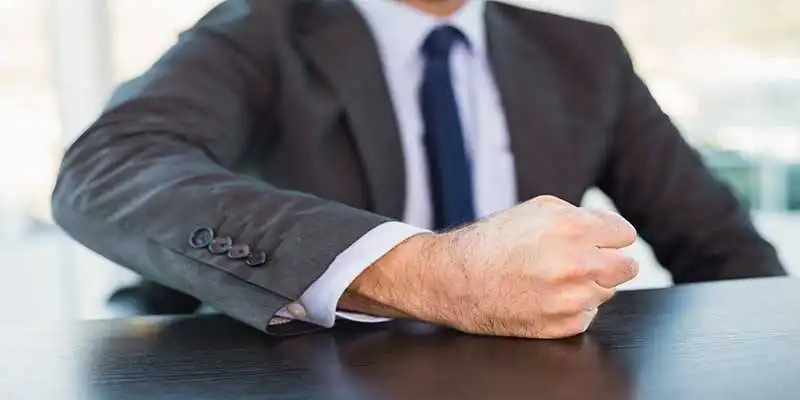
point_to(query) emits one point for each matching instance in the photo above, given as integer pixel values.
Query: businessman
(305, 161)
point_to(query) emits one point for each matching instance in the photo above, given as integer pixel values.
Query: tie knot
(441, 40)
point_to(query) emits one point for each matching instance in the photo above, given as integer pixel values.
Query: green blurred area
(794, 187)
(742, 174)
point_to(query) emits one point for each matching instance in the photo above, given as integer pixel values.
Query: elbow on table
(81, 190)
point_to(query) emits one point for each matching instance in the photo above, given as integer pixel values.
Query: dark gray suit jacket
(270, 122)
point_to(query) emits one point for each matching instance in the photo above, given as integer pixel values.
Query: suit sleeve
(697, 228)
(143, 182)
(322, 298)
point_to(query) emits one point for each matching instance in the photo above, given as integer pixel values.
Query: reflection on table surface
(735, 340)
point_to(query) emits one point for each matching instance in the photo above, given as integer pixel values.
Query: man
(265, 163)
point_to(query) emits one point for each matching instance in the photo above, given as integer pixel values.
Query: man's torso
(334, 133)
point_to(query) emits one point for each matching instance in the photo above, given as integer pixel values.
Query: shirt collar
(400, 29)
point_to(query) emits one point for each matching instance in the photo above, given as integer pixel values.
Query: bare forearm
(540, 269)
(393, 286)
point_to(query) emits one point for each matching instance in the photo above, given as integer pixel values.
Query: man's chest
(319, 151)
(356, 136)
(481, 124)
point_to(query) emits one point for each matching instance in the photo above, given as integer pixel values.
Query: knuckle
(615, 267)
(628, 267)
(548, 199)
(623, 231)
(566, 273)
(571, 225)
(571, 269)
(570, 219)
(628, 233)
(614, 224)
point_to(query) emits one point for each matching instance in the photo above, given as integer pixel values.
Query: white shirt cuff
(322, 297)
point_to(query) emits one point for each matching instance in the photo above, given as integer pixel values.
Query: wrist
(395, 284)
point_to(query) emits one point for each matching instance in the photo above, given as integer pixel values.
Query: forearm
(137, 203)
(159, 164)
(399, 284)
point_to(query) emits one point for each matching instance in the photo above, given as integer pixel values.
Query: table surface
(733, 340)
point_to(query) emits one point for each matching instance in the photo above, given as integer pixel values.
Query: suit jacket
(270, 123)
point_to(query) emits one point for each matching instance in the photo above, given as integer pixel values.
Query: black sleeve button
(201, 238)
(257, 259)
(239, 252)
(220, 245)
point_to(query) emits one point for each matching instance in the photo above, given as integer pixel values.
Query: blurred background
(727, 71)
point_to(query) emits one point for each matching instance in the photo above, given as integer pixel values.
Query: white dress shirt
(399, 31)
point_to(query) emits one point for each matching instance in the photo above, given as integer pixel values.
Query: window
(728, 72)
(143, 29)
(29, 122)
(53, 80)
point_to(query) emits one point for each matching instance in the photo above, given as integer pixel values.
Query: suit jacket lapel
(340, 45)
(529, 97)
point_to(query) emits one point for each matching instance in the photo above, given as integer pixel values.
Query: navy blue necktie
(449, 170)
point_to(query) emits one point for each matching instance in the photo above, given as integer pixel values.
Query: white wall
(81, 54)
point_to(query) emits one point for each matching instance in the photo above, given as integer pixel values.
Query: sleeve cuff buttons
(205, 238)
(256, 259)
(239, 252)
(201, 238)
(220, 245)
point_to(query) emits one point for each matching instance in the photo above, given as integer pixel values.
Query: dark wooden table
(736, 340)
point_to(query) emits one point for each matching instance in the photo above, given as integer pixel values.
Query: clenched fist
(538, 270)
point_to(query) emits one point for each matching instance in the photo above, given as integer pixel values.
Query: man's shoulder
(237, 13)
(276, 15)
(555, 29)
(258, 12)
(253, 24)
